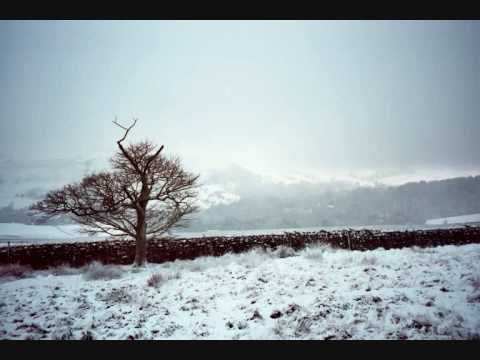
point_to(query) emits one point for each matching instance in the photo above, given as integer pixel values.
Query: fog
(345, 102)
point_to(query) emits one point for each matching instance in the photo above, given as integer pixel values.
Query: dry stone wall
(162, 250)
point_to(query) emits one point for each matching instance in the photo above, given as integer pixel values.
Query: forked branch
(124, 128)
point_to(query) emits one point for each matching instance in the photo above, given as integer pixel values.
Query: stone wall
(161, 250)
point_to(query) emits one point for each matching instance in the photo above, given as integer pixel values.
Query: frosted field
(316, 293)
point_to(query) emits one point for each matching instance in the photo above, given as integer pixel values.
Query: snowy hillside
(316, 293)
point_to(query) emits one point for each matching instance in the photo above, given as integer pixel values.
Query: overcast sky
(276, 96)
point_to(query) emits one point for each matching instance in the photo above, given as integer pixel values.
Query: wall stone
(162, 250)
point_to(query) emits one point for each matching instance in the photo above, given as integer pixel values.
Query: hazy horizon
(387, 101)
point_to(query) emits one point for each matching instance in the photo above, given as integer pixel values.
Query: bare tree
(144, 195)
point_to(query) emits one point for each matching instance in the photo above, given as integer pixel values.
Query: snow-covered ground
(18, 234)
(462, 219)
(316, 293)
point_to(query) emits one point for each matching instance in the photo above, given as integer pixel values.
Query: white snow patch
(26, 234)
(214, 195)
(462, 219)
(315, 293)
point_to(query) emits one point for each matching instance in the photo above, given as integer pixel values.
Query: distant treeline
(411, 203)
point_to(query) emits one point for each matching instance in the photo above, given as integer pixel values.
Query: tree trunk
(141, 241)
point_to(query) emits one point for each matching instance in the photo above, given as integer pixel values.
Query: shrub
(16, 271)
(32, 328)
(64, 270)
(175, 275)
(117, 296)
(303, 326)
(66, 334)
(98, 271)
(155, 280)
(87, 335)
(284, 252)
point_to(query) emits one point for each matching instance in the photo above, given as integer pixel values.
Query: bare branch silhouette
(144, 195)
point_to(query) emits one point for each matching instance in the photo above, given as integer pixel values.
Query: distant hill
(305, 205)
(258, 204)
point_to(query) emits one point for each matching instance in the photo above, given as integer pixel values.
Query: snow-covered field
(315, 293)
(462, 219)
(20, 234)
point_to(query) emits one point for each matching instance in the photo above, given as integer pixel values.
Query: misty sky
(275, 96)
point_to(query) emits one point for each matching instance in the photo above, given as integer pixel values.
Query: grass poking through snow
(315, 293)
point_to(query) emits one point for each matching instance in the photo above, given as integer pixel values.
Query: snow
(315, 293)
(26, 234)
(214, 195)
(39, 231)
(462, 219)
